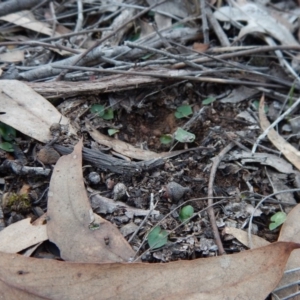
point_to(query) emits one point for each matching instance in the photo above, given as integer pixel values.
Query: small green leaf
(112, 131)
(98, 109)
(184, 136)
(183, 111)
(256, 105)
(277, 219)
(178, 25)
(157, 237)
(145, 57)
(186, 212)
(108, 114)
(7, 132)
(151, 13)
(6, 146)
(101, 111)
(94, 226)
(209, 100)
(166, 139)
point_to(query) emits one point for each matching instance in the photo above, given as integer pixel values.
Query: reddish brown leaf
(72, 226)
(247, 275)
(290, 232)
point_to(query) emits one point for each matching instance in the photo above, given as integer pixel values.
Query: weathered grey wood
(108, 162)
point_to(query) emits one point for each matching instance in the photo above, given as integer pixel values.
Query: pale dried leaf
(71, 219)
(122, 18)
(26, 19)
(21, 235)
(162, 21)
(278, 141)
(173, 7)
(258, 19)
(247, 275)
(12, 56)
(242, 236)
(27, 111)
(239, 94)
(266, 159)
(10, 292)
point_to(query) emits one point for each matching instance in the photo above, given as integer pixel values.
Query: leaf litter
(99, 240)
(142, 97)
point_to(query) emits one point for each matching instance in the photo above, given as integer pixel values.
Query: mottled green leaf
(7, 132)
(277, 219)
(183, 111)
(166, 139)
(186, 212)
(112, 131)
(209, 100)
(98, 109)
(184, 136)
(157, 237)
(6, 146)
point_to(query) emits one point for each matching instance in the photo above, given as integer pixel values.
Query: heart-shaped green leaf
(184, 136)
(6, 146)
(7, 132)
(186, 212)
(157, 237)
(183, 111)
(209, 100)
(277, 219)
(97, 109)
(112, 131)
(166, 139)
(108, 114)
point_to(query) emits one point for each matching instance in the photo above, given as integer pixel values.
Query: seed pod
(48, 155)
(120, 191)
(94, 178)
(175, 191)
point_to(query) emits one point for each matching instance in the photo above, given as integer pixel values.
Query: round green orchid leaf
(98, 109)
(157, 237)
(184, 136)
(166, 139)
(6, 146)
(7, 132)
(183, 111)
(186, 212)
(277, 219)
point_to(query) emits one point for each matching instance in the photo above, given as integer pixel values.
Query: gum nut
(175, 191)
(48, 155)
(55, 129)
(94, 178)
(119, 191)
(110, 183)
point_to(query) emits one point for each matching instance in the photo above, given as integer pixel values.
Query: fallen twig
(216, 160)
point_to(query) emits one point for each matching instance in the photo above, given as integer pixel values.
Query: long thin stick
(216, 161)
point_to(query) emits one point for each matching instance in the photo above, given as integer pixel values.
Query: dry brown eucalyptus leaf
(72, 226)
(247, 275)
(27, 111)
(290, 232)
(21, 235)
(278, 141)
